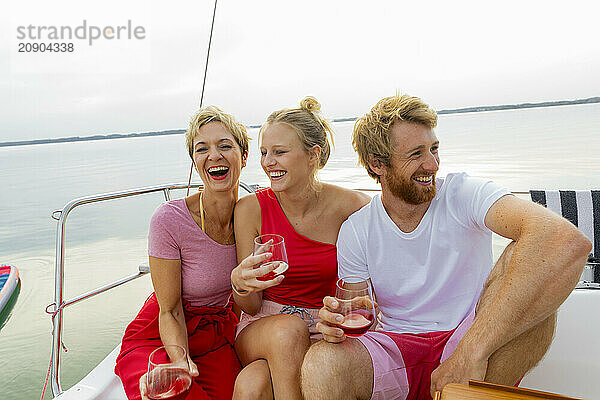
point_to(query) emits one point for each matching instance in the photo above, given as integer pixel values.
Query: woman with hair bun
(279, 315)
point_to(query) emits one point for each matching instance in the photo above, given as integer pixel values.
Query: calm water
(544, 148)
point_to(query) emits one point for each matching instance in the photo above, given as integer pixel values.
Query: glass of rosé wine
(356, 305)
(275, 245)
(168, 374)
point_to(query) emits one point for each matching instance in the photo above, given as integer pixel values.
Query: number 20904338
(46, 47)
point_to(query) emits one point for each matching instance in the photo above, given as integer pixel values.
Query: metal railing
(59, 303)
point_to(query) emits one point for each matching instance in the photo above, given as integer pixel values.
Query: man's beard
(408, 190)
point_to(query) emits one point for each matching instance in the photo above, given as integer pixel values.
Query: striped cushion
(582, 208)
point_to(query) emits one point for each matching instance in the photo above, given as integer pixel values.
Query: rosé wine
(357, 322)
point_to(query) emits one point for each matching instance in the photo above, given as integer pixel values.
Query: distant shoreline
(590, 100)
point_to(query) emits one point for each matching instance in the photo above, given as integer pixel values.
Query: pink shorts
(268, 308)
(403, 363)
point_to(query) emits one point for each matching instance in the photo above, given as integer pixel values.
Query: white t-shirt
(431, 278)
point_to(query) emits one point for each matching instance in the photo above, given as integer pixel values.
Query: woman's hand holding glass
(170, 374)
(262, 269)
(275, 245)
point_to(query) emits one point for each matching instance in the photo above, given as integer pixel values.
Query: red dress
(312, 272)
(211, 332)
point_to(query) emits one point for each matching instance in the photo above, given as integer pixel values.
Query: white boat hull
(100, 384)
(571, 367)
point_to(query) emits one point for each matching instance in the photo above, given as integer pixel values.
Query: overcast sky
(269, 54)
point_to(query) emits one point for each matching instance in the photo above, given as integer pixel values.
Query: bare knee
(280, 339)
(253, 382)
(336, 371)
(320, 370)
(288, 333)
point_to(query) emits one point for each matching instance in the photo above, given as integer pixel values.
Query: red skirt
(211, 334)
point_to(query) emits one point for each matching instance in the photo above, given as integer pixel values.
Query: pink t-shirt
(205, 264)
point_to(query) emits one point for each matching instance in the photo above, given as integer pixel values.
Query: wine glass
(355, 298)
(275, 245)
(168, 375)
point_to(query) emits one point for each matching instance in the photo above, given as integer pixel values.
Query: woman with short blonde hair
(191, 249)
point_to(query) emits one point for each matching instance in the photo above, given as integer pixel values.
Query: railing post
(58, 300)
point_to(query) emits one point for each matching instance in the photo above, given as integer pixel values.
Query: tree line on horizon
(589, 100)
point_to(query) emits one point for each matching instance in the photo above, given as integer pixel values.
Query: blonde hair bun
(310, 104)
(311, 127)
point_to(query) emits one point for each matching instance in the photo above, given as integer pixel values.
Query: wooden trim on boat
(517, 392)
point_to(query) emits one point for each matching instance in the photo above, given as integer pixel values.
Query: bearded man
(447, 312)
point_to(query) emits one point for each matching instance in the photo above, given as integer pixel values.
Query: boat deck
(569, 368)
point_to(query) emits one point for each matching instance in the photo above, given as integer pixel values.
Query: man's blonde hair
(371, 134)
(214, 114)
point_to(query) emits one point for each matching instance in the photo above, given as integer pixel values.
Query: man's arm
(546, 264)
(547, 261)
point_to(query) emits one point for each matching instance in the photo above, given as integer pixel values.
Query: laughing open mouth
(218, 172)
(276, 174)
(424, 180)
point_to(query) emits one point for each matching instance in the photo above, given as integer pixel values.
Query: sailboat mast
(212, 25)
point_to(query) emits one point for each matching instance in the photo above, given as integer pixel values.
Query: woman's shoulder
(347, 201)
(247, 207)
(169, 210)
(249, 201)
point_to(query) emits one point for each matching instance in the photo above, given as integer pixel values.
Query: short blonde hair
(214, 114)
(310, 126)
(371, 134)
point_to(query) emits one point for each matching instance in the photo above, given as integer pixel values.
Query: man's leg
(337, 371)
(511, 362)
